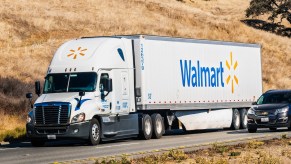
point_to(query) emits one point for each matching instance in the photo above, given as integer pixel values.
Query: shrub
(12, 135)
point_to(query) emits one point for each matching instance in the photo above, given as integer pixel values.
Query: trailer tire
(243, 118)
(157, 126)
(37, 143)
(94, 132)
(235, 124)
(146, 130)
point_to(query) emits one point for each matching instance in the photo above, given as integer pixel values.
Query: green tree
(274, 8)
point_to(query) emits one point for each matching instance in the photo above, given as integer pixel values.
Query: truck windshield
(70, 82)
(275, 98)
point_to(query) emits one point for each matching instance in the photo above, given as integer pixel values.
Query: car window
(275, 98)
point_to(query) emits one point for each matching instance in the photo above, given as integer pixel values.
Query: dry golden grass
(273, 151)
(31, 31)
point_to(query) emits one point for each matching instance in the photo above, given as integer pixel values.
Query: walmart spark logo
(232, 77)
(78, 52)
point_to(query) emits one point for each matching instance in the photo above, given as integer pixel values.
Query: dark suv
(272, 110)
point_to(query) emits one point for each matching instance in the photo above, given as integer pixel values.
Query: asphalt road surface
(59, 151)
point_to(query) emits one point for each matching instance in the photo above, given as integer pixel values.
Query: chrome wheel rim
(237, 120)
(147, 127)
(95, 132)
(159, 126)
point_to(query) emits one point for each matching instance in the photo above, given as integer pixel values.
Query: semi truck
(114, 87)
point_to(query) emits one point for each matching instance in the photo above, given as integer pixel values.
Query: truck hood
(57, 97)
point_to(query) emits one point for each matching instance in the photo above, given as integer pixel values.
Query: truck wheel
(158, 125)
(252, 130)
(147, 130)
(94, 132)
(289, 126)
(235, 120)
(37, 142)
(243, 118)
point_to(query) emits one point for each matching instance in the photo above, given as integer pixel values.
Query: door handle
(110, 105)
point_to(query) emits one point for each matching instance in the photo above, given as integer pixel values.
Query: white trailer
(105, 88)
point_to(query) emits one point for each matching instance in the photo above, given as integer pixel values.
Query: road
(74, 150)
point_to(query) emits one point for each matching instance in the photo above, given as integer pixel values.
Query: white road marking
(9, 148)
(118, 145)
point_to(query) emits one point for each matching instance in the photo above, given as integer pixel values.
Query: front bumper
(71, 131)
(268, 121)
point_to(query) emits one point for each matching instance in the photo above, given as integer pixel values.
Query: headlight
(28, 119)
(282, 110)
(251, 111)
(78, 118)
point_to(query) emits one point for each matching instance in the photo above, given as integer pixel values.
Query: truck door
(120, 97)
(126, 123)
(125, 92)
(117, 104)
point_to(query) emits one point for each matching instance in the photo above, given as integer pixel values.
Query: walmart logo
(77, 52)
(231, 67)
(195, 74)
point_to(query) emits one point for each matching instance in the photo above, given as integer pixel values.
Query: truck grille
(52, 114)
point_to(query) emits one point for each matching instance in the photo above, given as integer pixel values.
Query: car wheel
(252, 130)
(273, 129)
(235, 120)
(243, 118)
(147, 130)
(289, 127)
(95, 132)
(158, 125)
(37, 142)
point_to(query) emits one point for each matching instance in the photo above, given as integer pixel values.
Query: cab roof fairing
(88, 53)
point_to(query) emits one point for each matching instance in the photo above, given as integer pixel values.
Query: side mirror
(81, 94)
(109, 89)
(254, 103)
(102, 96)
(37, 88)
(29, 95)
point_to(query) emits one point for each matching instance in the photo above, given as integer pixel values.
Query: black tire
(146, 130)
(289, 126)
(94, 132)
(273, 129)
(157, 126)
(252, 130)
(243, 118)
(235, 124)
(37, 142)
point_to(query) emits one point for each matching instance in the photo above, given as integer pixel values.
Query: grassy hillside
(31, 31)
